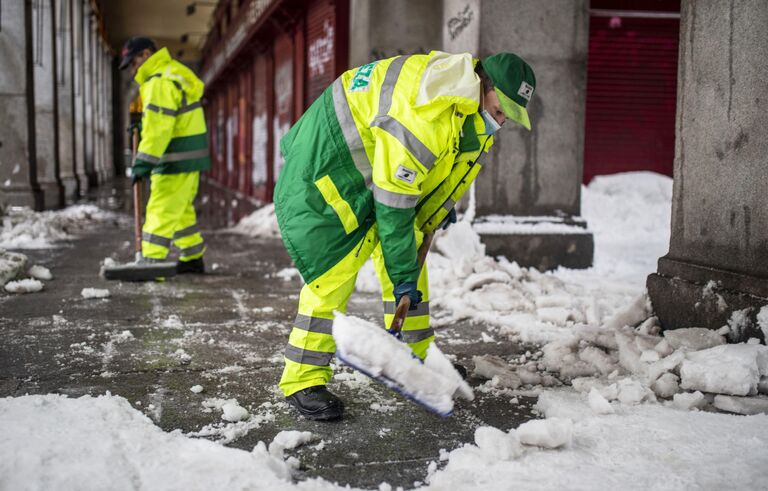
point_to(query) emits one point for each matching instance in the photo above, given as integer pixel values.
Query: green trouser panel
(416, 329)
(311, 345)
(171, 218)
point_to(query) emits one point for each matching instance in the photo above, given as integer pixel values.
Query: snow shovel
(140, 269)
(431, 383)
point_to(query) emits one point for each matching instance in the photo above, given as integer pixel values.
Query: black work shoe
(317, 403)
(194, 266)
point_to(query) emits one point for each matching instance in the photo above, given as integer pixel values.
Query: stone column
(384, 28)
(64, 48)
(88, 93)
(18, 159)
(528, 196)
(718, 255)
(79, 88)
(46, 125)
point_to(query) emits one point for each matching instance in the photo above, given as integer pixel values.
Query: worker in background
(380, 159)
(172, 153)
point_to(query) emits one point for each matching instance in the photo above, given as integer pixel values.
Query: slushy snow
(23, 228)
(95, 293)
(27, 285)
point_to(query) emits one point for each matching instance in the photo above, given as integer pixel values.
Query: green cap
(514, 82)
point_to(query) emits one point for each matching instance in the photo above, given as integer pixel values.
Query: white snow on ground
(12, 264)
(95, 293)
(23, 228)
(633, 413)
(260, 223)
(40, 273)
(643, 447)
(27, 285)
(52, 442)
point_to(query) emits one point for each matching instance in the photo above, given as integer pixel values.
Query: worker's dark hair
(484, 78)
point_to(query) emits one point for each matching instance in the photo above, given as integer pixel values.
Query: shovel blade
(139, 271)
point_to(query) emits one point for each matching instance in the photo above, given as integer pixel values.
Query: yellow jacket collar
(154, 64)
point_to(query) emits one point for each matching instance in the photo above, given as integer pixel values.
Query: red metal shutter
(320, 70)
(284, 96)
(631, 92)
(260, 150)
(244, 133)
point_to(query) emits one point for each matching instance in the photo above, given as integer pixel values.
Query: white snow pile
(370, 348)
(288, 440)
(762, 321)
(260, 223)
(12, 264)
(53, 442)
(230, 409)
(23, 228)
(13, 269)
(287, 274)
(629, 214)
(237, 421)
(645, 447)
(628, 361)
(95, 293)
(27, 285)
(40, 273)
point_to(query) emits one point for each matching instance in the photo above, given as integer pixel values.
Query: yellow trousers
(170, 217)
(311, 345)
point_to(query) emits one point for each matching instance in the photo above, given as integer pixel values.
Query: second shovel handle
(137, 197)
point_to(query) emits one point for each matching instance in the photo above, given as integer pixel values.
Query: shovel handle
(401, 312)
(137, 198)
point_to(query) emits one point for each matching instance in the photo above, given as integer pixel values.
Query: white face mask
(491, 125)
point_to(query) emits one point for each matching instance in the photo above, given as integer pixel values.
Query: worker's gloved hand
(139, 171)
(136, 125)
(407, 288)
(450, 219)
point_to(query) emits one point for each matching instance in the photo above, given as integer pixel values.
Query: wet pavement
(226, 330)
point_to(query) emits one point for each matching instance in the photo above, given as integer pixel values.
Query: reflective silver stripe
(193, 250)
(407, 139)
(190, 107)
(449, 204)
(161, 110)
(147, 158)
(177, 156)
(314, 324)
(421, 309)
(417, 335)
(351, 135)
(191, 230)
(308, 357)
(388, 87)
(395, 200)
(155, 239)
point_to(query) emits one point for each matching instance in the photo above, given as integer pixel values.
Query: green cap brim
(513, 110)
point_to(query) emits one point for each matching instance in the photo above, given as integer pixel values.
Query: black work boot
(317, 403)
(194, 266)
(461, 369)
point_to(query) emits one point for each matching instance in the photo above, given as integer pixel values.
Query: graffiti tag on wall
(321, 51)
(460, 22)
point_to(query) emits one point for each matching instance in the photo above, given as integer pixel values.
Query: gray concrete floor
(55, 341)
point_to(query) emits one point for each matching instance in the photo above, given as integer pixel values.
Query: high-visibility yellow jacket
(173, 132)
(395, 143)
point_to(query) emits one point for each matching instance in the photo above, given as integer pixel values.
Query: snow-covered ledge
(543, 242)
